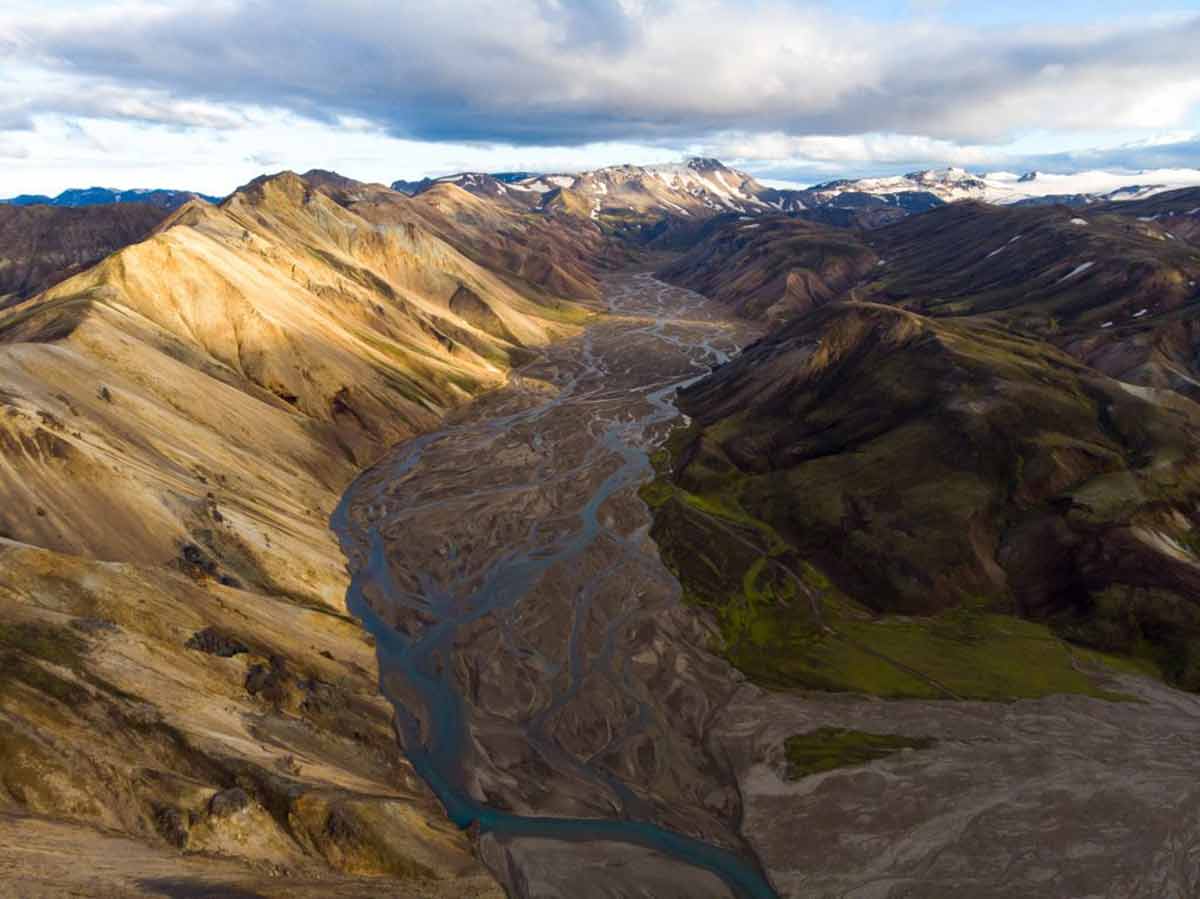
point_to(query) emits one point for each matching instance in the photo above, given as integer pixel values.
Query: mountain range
(704, 186)
(957, 462)
(700, 187)
(102, 196)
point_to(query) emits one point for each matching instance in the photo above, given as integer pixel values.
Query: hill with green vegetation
(773, 267)
(875, 500)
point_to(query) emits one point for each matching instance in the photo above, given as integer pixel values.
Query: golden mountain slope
(554, 255)
(177, 424)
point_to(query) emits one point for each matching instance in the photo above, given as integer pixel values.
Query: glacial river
(503, 567)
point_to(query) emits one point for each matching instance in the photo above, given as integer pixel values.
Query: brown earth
(42, 245)
(176, 424)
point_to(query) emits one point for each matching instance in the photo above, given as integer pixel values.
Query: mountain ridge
(102, 196)
(179, 420)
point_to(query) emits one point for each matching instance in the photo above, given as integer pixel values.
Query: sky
(207, 94)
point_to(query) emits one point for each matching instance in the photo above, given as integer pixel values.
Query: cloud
(812, 159)
(1132, 156)
(568, 72)
(834, 149)
(10, 149)
(265, 160)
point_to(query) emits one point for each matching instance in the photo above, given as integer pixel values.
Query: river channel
(549, 685)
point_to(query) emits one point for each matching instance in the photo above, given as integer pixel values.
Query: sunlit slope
(176, 426)
(1176, 212)
(264, 350)
(544, 255)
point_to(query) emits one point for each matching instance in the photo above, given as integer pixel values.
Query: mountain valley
(457, 537)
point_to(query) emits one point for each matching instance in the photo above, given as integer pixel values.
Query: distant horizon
(777, 183)
(200, 95)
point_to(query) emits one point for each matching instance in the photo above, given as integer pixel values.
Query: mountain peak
(948, 174)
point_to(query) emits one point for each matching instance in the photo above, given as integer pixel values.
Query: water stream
(625, 403)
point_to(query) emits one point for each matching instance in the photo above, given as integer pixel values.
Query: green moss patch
(833, 747)
(786, 625)
(868, 501)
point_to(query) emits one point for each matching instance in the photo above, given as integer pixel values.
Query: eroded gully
(549, 686)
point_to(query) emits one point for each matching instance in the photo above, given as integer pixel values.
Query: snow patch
(1078, 270)
(1078, 221)
(1144, 393)
(1006, 187)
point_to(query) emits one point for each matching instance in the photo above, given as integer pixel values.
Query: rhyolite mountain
(1118, 291)
(910, 465)
(1175, 212)
(178, 422)
(631, 200)
(962, 463)
(773, 267)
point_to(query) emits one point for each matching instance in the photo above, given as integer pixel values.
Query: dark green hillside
(773, 267)
(866, 463)
(1176, 212)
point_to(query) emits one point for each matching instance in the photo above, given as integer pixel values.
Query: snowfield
(954, 184)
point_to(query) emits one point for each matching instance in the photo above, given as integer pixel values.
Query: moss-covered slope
(866, 463)
(1116, 291)
(773, 268)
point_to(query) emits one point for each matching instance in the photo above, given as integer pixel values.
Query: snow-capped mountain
(698, 188)
(947, 185)
(955, 184)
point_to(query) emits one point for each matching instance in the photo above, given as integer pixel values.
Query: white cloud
(11, 149)
(529, 71)
(192, 92)
(854, 148)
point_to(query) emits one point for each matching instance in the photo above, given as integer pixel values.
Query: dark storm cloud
(561, 72)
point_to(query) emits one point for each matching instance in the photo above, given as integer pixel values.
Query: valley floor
(549, 678)
(554, 691)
